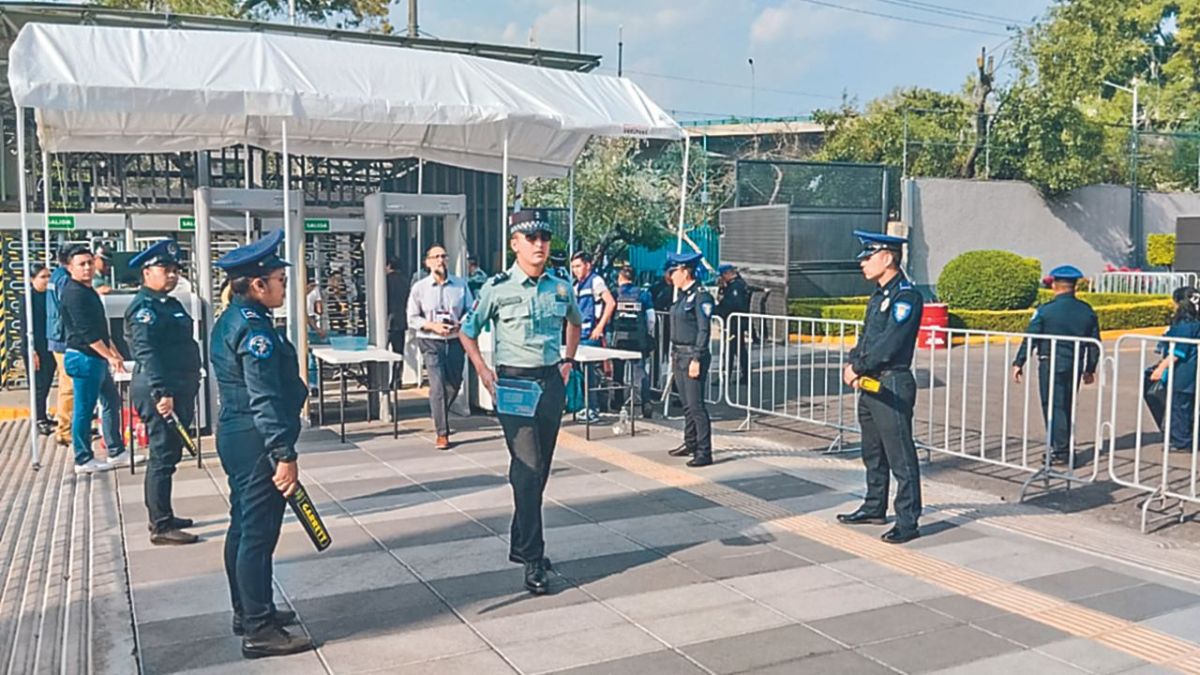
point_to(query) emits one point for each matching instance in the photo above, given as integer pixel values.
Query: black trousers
(888, 447)
(43, 379)
(444, 364)
(1182, 404)
(166, 446)
(396, 344)
(531, 442)
(697, 427)
(1064, 404)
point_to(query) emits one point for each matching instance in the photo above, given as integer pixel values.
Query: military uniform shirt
(1069, 316)
(890, 328)
(528, 315)
(159, 333)
(735, 299)
(691, 319)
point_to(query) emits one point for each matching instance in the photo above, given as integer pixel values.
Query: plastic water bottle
(622, 425)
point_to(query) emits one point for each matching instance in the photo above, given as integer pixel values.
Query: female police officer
(261, 394)
(691, 317)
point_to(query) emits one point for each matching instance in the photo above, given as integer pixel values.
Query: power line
(955, 12)
(920, 22)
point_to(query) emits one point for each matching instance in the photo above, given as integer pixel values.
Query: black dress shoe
(176, 524)
(861, 517)
(682, 451)
(536, 581)
(899, 536)
(281, 618)
(173, 538)
(545, 561)
(274, 641)
(647, 412)
(700, 460)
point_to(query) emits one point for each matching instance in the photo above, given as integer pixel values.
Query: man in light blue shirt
(436, 305)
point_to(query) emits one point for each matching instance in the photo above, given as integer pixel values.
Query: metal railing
(1162, 460)
(1146, 283)
(971, 405)
(659, 367)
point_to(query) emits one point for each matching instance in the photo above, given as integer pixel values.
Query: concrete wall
(1087, 227)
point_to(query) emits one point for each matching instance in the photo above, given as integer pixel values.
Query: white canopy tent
(105, 89)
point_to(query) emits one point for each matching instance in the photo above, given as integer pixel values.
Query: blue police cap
(162, 252)
(1066, 273)
(874, 241)
(726, 267)
(528, 222)
(255, 259)
(689, 259)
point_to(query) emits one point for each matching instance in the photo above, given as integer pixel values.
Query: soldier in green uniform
(528, 307)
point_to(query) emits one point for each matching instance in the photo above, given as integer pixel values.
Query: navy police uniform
(159, 332)
(884, 352)
(691, 328)
(262, 394)
(735, 299)
(1068, 316)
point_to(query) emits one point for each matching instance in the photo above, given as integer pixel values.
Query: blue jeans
(93, 383)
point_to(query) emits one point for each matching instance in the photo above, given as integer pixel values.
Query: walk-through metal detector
(234, 204)
(382, 208)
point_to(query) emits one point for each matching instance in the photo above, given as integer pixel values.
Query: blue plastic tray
(517, 397)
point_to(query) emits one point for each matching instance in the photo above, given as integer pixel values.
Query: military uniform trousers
(255, 516)
(531, 442)
(166, 446)
(888, 447)
(697, 427)
(1064, 403)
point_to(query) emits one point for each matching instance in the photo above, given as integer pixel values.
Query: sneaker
(93, 465)
(123, 460)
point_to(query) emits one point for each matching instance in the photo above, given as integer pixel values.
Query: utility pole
(412, 19)
(620, 50)
(578, 26)
(983, 89)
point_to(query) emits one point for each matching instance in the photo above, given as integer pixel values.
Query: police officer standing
(691, 319)
(734, 299)
(165, 380)
(633, 325)
(261, 393)
(1066, 316)
(528, 306)
(884, 354)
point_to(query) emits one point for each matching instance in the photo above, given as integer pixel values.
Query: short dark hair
(395, 263)
(36, 269)
(472, 260)
(71, 250)
(241, 285)
(582, 255)
(626, 273)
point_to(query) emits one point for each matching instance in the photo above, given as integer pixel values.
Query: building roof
(757, 126)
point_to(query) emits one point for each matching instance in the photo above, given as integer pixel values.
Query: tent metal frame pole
(683, 191)
(420, 218)
(294, 249)
(571, 213)
(246, 184)
(30, 372)
(46, 203)
(504, 203)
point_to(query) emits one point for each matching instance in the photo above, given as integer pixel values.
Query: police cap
(529, 222)
(677, 260)
(726, 267)
(873, 242)
(1066, 273)
(255, 259)
(162, 252)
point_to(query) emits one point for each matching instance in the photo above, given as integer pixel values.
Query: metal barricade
(1146, 283)
(1162, 459)
(971, 406)
(660, 360)
(791, 367)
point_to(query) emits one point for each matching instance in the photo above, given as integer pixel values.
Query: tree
(370, 14)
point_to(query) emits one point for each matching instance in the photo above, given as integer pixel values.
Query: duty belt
(536, 373)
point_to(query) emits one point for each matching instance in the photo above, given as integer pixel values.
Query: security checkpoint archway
(382, 208)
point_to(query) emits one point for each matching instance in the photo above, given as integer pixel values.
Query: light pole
(752, 87)
(620, 50)
(1132, 90)
(1135, 220)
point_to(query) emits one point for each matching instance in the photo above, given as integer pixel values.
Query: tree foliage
(368, 14)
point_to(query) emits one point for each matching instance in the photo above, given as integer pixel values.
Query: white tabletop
(344, 357)
(127, 376)
(590, 354)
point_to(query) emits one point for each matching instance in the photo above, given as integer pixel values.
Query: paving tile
(511, 599)
(311, 578)
(1014, 662)
(944, 532)
(581, 648)
(602, 510)
(775, 486)
(1022, 630)
(586, 541)
(223, 655)
(749, 561)
(658, 663)
(963, 608)
(937, 650)
(654, 576)
(499, 518)
(177, 598)
(909, 588)
(1139, 603)
(437, 529)
(155, 634)
(363, 642)
(413, 605)
(846, 662)
(760, 649)
(885, 623)
(675, 600)
(456, 558)
(474, 663)
(823, 603)
(967, 552)
(1090, 656)
(717, 622)
(1081, 583)
(793, 580)
(1184, 623)
(1019, 566)
(547, 623)
(583, 570)
(809, 549)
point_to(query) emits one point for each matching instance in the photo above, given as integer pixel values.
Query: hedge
(989, 280)
(1160, 250)
(1101, 299)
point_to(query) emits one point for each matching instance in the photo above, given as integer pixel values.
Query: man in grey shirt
(436, 305)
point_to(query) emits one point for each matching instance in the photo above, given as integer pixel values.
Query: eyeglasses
(439, 256)
(541, 235)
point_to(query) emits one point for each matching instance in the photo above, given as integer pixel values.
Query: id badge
(444, 317)
(518, 398)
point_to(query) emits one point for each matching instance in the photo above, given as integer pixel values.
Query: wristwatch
(567, 359)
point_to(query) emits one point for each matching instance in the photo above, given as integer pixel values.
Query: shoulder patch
(145, 316)
(500, 278)
(260, 345)
(901, 311)
(707, 308)
(250, 314)
(562, 291)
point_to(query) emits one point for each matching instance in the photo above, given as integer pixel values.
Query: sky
(692, 56)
